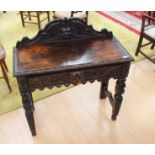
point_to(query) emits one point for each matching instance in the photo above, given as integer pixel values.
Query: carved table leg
(32, 102)
(119, 90)
(27, 102)
(103, 88)
(28, 107)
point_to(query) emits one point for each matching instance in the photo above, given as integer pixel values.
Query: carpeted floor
(128, 38)
(11, 30)
(137, 14)
(127, 19)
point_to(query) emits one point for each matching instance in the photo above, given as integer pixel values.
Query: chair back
(71, 14)
(80, 14)
(148, 17)
(148, 33)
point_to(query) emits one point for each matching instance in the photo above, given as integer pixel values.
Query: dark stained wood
(83, 54)
(104, 88)
(70, 52)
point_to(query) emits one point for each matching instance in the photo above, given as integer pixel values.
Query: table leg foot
(113, 117)
(34, 133)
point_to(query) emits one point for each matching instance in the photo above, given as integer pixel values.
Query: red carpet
(128, 26)
(137, 14)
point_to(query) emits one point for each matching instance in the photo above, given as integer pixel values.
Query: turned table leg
(119, 90)
(104, 88)
(27, 101)
(32, 102)
(28, 107)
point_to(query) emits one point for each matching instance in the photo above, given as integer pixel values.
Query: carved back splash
(65, 31)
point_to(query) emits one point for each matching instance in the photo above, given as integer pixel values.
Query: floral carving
(65, 31)
(73, 77)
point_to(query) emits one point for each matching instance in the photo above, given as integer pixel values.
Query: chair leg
(139, 46)
(48, 15)
(4, 63)
(6, 77)
(54, 17)
(87, 14)
(38, 18)
(29, 15)
(152, 47)
(22, 18)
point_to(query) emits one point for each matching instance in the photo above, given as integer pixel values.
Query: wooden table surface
(39, 58)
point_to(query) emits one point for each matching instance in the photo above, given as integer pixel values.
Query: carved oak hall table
(70, 52)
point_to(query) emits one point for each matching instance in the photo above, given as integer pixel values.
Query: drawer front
(74, 77)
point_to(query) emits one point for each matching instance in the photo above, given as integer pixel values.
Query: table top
(40, 58)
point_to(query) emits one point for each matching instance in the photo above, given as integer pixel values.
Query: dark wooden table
(70, 52)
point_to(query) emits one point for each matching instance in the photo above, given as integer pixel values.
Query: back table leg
(104, 88)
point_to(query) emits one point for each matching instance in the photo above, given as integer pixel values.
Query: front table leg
(28, 107)
(119, 90)
(104, 88)
(27, 100)
(32, 102)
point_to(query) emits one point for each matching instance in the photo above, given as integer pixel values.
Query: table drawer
(74, 77)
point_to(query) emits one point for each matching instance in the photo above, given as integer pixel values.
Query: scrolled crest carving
(64, 31)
